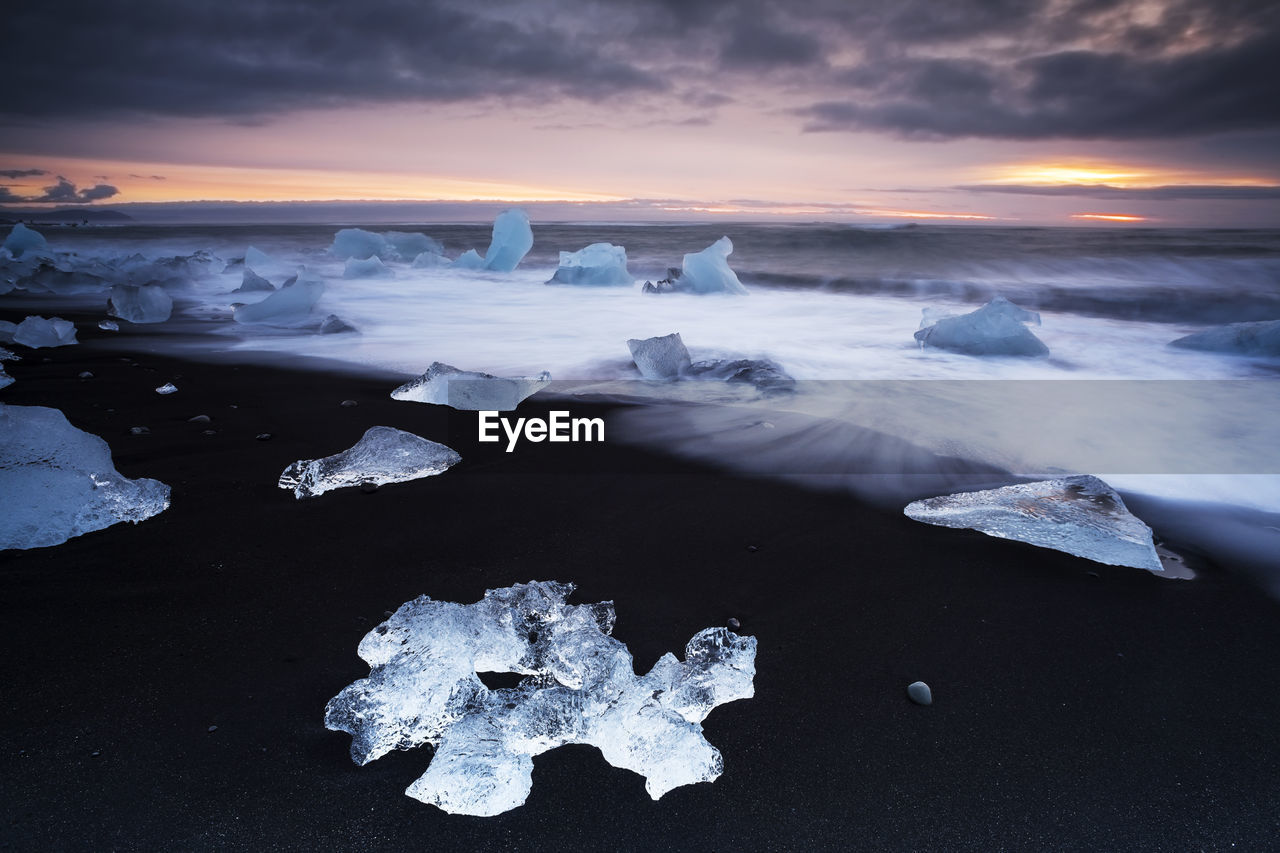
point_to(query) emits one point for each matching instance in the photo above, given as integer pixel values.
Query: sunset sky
(1057, 111)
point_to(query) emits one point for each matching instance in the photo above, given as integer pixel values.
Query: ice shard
(511, 241)
(1258, 339)
(371, 267)
(663, 357)
(359, 243)
(147, 303)
(708, 271)
(23, 239)
(253, 282)
(994, 329)
(1080, 515)
(58, 481)
(600, 264)
(382, 455)
(470, 391)
(36, 332)
(468, 260)
(288, 306)
(580, 686)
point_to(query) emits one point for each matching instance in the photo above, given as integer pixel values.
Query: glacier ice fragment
(288, 306)
(146, 303)
(108, 325)
(1080, 515)
(409, 245)
(382, 455)
(36, 332)
(708, 271)
(580, 687)
(252, 281)
(335, 325)
(370, 267)
(430, 260)
(5, 379)
(1236, 338)
(993, 329)
(7, 331)
(254, 257)
(470, 391)
(167, 388)
(662, 357)
(600, 264)
(511, 241)
(468, 260)
(59, 482)
(358, 243)
(23, 239)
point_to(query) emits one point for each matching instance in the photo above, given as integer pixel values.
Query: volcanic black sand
(1077, 706)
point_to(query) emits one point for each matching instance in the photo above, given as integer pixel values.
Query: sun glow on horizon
(1122, 176)
(1110, 217)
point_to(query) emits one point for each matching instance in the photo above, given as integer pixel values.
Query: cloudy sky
(1025, 111)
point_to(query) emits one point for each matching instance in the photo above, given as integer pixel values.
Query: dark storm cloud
(64, 192)
(21, 173)
(1106, 191)
(1012, 69)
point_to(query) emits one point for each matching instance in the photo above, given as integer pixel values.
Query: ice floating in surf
(254, 257)
(994, 329)
(335, 325)
(22, 239)
(660, 358)
(581, 687)
(288, 306)
(1258, 339)
(389, 246)
(468, 260)
(466, 390)
(708, 271)
(371, 267)
(37, 332)
(600, 264)
(1080, 515)
(382, 455)
(59, 482)
(147, 303)
(251, 282)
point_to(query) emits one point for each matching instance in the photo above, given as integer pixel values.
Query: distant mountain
(71, 215)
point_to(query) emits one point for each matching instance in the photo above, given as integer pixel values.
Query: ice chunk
(766, 375)
(23, 239)
(108, 325)
(1237, 339)
(469, 391)
(288, 306)
(597, 264)
(512, 239)
(5, 379)
(430, 260)
(9, 355)
(409, 245)
(382, 455)
(358, 243)
(469, 260)
(1080, 515)
(1003, 306)
(335, 325)
(581, 687)
(36, 332)
(660, 358)
(708, 271)
(147, 303)
(58, 482)
(167, 388)
(254, 257)
(371, 267)
(991, 330)
(252, 281)
(7, 331)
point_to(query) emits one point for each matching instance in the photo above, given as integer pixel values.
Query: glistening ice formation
(58, 481)
(1079, 515)
(580, 688)
(469, 391)
(382, 455)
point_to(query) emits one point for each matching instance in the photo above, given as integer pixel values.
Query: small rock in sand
(199, 419)
(734, 624)
(920, 693)
(346, 404)
(84, 374)
(263, 436)
(139, 431)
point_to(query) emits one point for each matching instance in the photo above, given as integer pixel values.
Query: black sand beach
(1077, 706)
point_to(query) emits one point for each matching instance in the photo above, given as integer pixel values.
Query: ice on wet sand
(147, 303)
(1257, 339)
(1080, 515)
(37, 332)
(382, 455)
(288, 306)
(467, 390)
(581, 687)
(59, 482)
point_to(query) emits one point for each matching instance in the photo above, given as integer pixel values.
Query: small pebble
(199, 419)
(139, 431)
(209, 432)
(368, 488)
(348, 403)
(263, 436)
(734, 623)
(167, 388)
(94, 754)
(84, 374)
(752, 548)
(108, 325)
(213, 729)
(920, 693)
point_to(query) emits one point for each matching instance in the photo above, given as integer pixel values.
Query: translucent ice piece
(288, 306)
(1080, 515)
(1259, 339)
(58, 482)
(23, 239)
(148, 303)
(468, 260)
(660, 358)
(36, 332)
(993, 329)
(708, 271)
(371, 267)
(600, 264)
(252, 281)
(467, 390)
(382, 455)
(512, 239)
(581, 687)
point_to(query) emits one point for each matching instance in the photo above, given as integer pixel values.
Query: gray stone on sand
(920, 693)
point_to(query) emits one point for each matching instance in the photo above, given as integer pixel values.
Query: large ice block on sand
(371, 267)
(147, 303)
(467, 390)
(512, 239)
(580, 687)
(36, 332)
(1259, 339)
(660, 358)
(22, 239)
(58, 482)
(708, 271)
(994, 329)
(1080, 515)
(382, 455)
(600, 264)
(288, 306)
